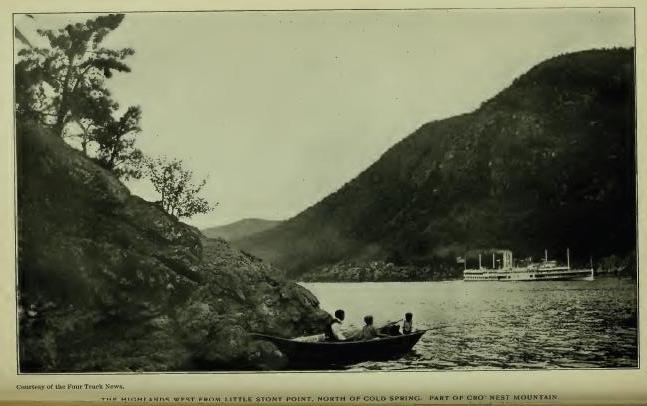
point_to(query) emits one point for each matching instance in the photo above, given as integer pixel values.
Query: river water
(498, 325)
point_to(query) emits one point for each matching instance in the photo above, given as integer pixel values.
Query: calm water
(489, 325)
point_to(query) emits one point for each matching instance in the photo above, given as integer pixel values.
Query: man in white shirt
(333, 332)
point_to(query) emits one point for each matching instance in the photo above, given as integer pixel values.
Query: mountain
(110, 282)
(240, 229)
(549, 162)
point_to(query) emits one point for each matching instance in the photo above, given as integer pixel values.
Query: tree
(116, 144)
(92, 115)
(174, 184)
(55, 79)
(65, 84)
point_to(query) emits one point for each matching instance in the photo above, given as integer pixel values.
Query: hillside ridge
(240, 229)
(547, 163)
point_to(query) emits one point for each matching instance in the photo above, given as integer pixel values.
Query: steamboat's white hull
(526, 274)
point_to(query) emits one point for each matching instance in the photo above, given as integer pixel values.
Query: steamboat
(504, 270)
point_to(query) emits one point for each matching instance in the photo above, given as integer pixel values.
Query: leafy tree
(92, 115)
(65, 84)
(53, 81)
(174, 184)
(116, 144)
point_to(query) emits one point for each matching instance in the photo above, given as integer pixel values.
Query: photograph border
(288, 371)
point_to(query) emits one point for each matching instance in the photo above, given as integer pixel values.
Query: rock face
(110, 282)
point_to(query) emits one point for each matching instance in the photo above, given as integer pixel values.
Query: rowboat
(339, 353)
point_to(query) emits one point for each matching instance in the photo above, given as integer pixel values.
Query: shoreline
(603, 275)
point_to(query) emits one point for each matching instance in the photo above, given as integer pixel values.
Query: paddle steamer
(504, 270)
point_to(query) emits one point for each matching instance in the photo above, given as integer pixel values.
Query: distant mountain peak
(240, 229)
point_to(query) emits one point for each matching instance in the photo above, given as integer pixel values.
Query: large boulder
(110, 282)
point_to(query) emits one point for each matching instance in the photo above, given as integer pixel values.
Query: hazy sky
(282, 108)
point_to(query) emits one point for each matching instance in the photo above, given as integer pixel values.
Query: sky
(280, 109)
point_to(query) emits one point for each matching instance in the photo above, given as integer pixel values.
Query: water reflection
(489, 325)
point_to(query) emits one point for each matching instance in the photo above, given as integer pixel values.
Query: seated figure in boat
(407, 324)
(333, 331)
(369, 331)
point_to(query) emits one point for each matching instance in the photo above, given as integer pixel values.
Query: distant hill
(547, 163)
(240, 229)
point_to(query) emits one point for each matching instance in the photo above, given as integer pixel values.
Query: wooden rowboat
(314, 355)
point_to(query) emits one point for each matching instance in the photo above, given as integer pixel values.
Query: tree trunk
(113, 156)
(62, 108)
(85, 139)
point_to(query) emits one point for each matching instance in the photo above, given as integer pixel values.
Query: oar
(434, 328)
(445, 326)
(390, 323)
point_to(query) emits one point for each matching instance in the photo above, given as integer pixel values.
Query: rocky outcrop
(110, 282)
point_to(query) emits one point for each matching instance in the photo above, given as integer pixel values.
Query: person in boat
(333, 331)
(407, 324)
(369, 332)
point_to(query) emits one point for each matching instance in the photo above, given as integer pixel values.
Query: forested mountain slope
(547, 163)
